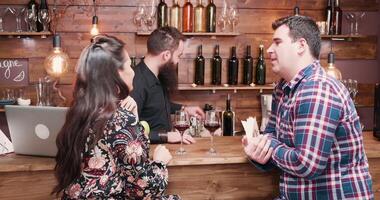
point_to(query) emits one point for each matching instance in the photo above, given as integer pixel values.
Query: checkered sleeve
(316, 116)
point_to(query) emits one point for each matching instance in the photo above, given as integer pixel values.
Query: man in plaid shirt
(314, 135)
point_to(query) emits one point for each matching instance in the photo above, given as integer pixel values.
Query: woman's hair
(98, 87)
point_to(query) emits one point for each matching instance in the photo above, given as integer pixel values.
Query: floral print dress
(118, 165)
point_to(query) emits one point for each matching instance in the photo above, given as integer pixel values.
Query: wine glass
(31, 20)
(138, 18)
(233, 17)
(358, 17)
(212, 123)
(3, 12)
(353, 89)
(44, 18)
(150, 17)
(181, 124)
(350, 18)
(17, 12)
(223, 17)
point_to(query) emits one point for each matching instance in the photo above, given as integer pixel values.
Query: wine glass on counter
(181, 123)
(212, 123)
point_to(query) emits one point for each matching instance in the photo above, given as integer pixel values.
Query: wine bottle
(199, 68)
(228, 120)
(162, 12)
(175, 16)
(216, 68)
(133, 62)
(199, 18)
(248, 67)
(43, 6)
(329, 17)
(211, 17)
(33, 10)
(337, 22)
(233, 68)
(188, 17)
(260, 68)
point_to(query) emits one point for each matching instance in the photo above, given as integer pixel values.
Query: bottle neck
(43, 4)
(329, 3)
(217, 50)
(228, 104)
(200, 50)
(261, 55)
(337, 3)
(248, 51)
(233, 51)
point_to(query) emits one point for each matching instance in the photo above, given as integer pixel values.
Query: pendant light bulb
(57, 62)
(94, 30)
(331, 69)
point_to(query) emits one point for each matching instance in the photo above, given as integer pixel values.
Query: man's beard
(168, 76)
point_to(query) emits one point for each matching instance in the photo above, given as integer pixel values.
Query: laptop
(34, 129)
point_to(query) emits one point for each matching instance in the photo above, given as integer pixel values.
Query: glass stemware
(223, 17)
(212, 123)
(351, 20)
(3, 12)
(150, 17)
(181, 124)
(17, 12)
(31, 20)
(138, 18)
(233, 17)
(44, 18)
(358, 17)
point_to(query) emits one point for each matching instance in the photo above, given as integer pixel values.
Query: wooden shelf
(342, 37)
(25, 33)
(199, 34)
(214, 88)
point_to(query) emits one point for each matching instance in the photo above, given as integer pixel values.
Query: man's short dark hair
(302, 27)
(163, 39)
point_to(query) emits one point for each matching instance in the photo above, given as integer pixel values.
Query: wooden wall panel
(256, 16)
(363, 5)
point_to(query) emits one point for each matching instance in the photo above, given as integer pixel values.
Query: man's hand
(130, 104)
(175, 137)
(258, 148)
(195, 111)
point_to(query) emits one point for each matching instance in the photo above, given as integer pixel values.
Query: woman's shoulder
(124, 117)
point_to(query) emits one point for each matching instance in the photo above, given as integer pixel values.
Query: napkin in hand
(250, 127)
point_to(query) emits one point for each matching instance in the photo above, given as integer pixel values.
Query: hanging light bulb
(94, 30)
(331, 69)
(57, 62)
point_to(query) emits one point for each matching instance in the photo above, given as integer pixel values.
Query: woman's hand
(162, 154)
(130, 104)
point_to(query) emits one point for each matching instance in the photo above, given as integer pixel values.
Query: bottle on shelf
(337, 22)
(199, 68)
(188, 17)
(233, 68)
(329, 17)
(175, 16)
(216, 67)
(376, 129)
(260, 67)
(248, 67)
(199, 18)
(40, 26)
(228, 120)
(162, 14)
(133, 62)
(33, 11)
(211, 17)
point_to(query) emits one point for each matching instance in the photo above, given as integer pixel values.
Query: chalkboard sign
(14, 72)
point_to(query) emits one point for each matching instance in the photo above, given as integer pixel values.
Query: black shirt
(153, 103)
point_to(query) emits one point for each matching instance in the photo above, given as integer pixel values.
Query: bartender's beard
(168, 76)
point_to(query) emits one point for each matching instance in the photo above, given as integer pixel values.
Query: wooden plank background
(256, 16)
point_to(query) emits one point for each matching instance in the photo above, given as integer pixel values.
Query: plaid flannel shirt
(317, 139)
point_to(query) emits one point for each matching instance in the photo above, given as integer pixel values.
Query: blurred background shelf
(25, 33)
(198, 34)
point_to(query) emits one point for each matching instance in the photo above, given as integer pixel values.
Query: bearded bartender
(155, 78)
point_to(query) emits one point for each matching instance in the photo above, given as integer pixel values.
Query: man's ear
(302, 46)
(166, 55)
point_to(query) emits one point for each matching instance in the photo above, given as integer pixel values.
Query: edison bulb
(56, 63)
(94, 30)
(331, 69)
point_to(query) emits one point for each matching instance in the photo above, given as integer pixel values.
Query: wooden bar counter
(196, 175)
